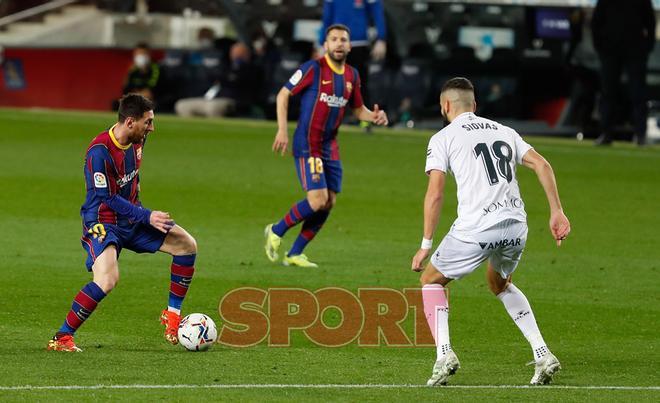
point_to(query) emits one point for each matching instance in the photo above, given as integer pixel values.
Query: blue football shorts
(137, 237)
(318, 173)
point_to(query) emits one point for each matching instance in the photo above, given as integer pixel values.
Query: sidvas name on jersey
(479, 126)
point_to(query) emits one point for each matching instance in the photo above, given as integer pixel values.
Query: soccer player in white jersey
(491, 223)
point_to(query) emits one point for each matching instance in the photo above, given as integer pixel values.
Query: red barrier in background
(67, 78)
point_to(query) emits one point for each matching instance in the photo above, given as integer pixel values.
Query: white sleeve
(436, 155)
(521, 147)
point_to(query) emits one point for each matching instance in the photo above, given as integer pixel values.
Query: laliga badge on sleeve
(99, 180)
(295, 78)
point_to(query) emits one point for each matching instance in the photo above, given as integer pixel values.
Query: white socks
(518, 308)
(436, 310)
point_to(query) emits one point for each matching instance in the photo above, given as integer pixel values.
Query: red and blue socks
(310, 228)
(183, 268)
(83, 305)
(299, 212)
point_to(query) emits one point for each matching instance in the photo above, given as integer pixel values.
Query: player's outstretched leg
(516, 304)
(310, 228)
(274, 232)
(183, 248)
(82, 307)
(436, 310)
(322, 201)
(106, 274)
(181, 274)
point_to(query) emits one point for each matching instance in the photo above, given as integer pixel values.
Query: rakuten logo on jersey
(126, 178)
(333, 101)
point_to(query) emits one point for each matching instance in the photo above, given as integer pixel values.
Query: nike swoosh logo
(324, 82)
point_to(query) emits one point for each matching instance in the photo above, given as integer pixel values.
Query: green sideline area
(596, 297)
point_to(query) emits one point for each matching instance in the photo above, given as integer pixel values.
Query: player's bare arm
(560, 227)
(282, 137)
(432, 208)
(377, 116)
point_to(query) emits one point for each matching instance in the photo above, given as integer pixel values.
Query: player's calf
(496, 283)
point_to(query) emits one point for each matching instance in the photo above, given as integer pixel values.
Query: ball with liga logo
(197, 332)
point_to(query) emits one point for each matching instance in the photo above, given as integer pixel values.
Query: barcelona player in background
(326, 86)
(113, 219)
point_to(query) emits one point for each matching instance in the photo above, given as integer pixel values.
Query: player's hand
(161, 221)
(560, 227)
(379, 117)
(281, 142)
(419, 258)
(98, 232)
(379, 50)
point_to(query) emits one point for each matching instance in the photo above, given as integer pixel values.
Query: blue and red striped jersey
(112, 182)
(325, 92)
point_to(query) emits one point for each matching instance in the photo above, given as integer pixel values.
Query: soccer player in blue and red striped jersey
(326, 87)
(113, 219)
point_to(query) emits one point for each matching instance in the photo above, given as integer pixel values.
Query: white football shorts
(502, 243)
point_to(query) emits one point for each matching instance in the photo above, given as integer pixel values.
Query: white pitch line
(319, 386)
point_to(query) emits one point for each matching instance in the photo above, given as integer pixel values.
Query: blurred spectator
(582, 65)
(231, 94)
(206, 38)
(205, 44)
(144, 74)
(204, 64)
(623, 35)
(357, 15)
(265, 59)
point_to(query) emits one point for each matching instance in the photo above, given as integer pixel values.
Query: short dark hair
(340, 27)
(142, 45)
(133, 106)
(458, 83)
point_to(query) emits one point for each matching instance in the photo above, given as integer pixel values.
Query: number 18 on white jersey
(482, 155)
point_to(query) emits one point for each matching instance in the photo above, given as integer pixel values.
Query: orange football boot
(171, 321)
(63, 342)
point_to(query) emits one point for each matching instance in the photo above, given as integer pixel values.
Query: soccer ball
(197, 332)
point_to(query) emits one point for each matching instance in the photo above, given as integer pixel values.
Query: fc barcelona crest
(349, 86)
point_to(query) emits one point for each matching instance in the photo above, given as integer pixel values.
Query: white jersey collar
(465, 115)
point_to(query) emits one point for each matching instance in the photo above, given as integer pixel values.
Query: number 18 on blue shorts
(317, 173)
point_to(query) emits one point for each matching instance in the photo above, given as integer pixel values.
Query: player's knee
(107, 282)
(425, 279)
(190, 245)
(318, 201)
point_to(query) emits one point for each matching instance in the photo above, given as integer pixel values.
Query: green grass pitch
(595, 298)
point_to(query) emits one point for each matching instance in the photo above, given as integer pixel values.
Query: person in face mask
(143, 75)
